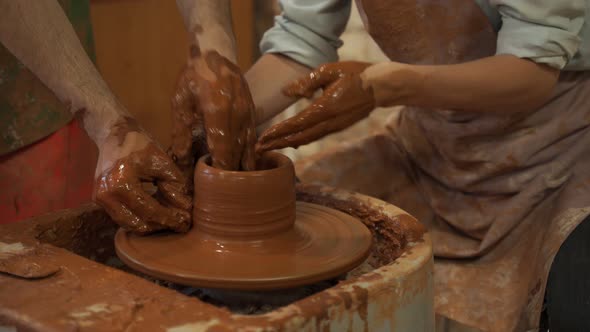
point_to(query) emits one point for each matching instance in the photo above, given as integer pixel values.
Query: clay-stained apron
(502, 190)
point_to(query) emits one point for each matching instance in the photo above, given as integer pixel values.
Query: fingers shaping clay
(344, 101)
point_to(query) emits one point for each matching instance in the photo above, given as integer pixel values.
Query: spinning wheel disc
(323, 243)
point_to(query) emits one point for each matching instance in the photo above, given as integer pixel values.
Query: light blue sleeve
(308, 31)
(545, 31)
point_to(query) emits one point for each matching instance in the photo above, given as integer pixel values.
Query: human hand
(129, 159)
(344, 101)
(211, 93)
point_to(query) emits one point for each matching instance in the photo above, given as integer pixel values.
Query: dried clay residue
(90, 234)
(27, 261)
(391, 234)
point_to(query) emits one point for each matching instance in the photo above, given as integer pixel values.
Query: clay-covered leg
(374, 166)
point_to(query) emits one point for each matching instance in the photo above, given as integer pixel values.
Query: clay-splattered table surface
(56, 278)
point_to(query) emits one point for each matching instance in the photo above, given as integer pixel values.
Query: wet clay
(213, 105)
(106, 299)
(391, 235)
(250, 234)
(343, 103)
(129, 165)
(120, 191)
(322, 244)
(245, 204)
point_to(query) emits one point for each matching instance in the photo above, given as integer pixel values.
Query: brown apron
(499, 192)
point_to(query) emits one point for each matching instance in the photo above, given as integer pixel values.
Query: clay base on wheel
(323, 243)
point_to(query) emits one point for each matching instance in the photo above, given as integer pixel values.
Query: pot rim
(282, 162)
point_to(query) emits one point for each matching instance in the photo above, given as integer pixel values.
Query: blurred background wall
(142, 45)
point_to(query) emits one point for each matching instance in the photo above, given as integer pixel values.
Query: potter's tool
(250, 234)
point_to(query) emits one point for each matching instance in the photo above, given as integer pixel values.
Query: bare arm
(210, 29)
(39, 34)
(212, 103)
(209, 24)
(352, 90)
(501, 83)
(266, 78)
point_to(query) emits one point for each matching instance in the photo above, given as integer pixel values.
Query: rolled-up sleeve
(544, 31)
(308, 31)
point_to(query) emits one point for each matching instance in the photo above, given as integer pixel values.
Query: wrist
(394, 83)
(216, 39)
(268, 98)
(102, 124)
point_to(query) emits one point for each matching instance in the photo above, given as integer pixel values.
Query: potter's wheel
(323, 243)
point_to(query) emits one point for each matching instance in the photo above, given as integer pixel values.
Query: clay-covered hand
(128, 161)
(211, 93)
(343, 102)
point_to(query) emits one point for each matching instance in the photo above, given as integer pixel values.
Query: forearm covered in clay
(39, 34)
(501, 83)
(266, 78)
(209, 24)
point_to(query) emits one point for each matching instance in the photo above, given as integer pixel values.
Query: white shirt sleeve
(308, 31)
(545, 31)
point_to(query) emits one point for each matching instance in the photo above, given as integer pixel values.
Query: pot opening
(268, 161)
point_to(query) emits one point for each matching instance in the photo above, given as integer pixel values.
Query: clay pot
(245, 204)
(249, 234)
